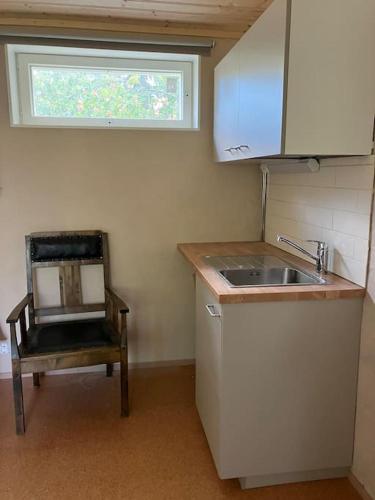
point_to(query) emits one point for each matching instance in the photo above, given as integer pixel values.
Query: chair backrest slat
(70, 285)
(62, 263)
(68, 251)
(56, 311)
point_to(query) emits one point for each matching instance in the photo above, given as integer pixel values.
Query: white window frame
(21, 58)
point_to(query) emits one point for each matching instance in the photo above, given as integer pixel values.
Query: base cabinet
(276, 386)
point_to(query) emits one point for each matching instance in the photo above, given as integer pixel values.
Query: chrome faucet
(321, 253)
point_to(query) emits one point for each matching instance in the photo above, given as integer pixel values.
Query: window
(65, 87)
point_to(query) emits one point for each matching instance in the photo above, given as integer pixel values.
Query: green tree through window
(101, 93)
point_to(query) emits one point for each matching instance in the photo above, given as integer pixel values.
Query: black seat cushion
(69, 336)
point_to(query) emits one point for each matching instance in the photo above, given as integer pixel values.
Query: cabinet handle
(212, 311)
(237, 148)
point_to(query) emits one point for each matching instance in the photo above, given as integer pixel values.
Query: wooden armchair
(46, 346)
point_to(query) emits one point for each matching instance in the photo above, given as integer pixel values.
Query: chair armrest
(120, 304)
(14, 316)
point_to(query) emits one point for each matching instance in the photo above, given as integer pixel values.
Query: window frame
(21, 58)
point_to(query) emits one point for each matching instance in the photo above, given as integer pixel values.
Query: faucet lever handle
(318, 242)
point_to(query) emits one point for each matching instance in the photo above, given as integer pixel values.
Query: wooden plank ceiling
(212, 18)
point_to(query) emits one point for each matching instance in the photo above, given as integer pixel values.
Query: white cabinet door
(208, 353)
(261, 83)
(226, 107)
(331, 78)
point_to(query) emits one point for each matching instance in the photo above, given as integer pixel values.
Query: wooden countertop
(336, 288)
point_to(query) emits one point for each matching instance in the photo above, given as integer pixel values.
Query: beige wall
(148, 189)
(364, 453)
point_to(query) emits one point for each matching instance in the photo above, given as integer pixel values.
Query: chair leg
(36, 379)
(124, 367)
(124, 385)
(109, 369)
(18, 397)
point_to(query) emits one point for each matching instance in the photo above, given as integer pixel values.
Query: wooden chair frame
(115, 313)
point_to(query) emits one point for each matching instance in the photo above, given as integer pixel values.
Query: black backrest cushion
(72, 247)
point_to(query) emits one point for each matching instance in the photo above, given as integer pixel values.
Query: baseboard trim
(101, 368)
(359, 487)
(162, 364)
(292, 477)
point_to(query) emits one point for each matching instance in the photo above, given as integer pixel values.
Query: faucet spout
(321, 254)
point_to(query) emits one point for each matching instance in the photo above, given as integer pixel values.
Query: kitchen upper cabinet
(226, 105)
(261, 84)
(300, 82)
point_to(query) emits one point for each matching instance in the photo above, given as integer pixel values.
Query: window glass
(98, 93)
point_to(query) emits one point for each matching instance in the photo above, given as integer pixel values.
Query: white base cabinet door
(276, 386)
(208, 355)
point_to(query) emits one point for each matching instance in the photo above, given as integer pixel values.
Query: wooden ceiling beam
(122, 25)
(182, 10)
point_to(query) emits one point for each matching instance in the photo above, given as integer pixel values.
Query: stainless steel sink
(260, 270)
(275, 276)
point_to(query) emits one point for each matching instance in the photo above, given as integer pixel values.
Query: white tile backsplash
(355, 161)
(351, 223)
(354, 177)
(333, 205)
(341, 243)
(361, 249)
(364, 202)
(317, 216)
